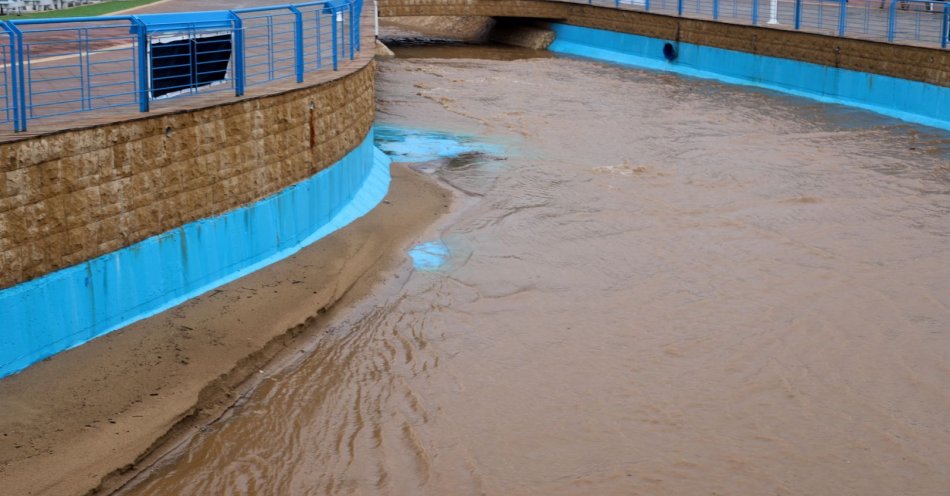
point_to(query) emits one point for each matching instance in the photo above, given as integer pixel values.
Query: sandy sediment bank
(81, 421)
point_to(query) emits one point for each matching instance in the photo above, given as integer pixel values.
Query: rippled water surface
(659, 286)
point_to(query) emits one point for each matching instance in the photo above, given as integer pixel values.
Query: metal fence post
(357, 23)
(14, 77)
(892, 21)
(646, 5)
(240, 75)
(715, 10)
(798, 14)
(14, 101)
(679, 8)
(843, 18)
(298, 42)
(18, 73)
(755, 12)
(336, 50)
(352, 40)
(141, 32)
(945, 38)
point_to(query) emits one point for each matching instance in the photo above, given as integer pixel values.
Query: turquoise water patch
(429, 256)
(418, 145)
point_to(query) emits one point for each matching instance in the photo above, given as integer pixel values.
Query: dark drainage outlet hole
(669, 52)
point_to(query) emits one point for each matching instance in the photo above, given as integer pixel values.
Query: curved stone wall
(74, 195)
(103, 225)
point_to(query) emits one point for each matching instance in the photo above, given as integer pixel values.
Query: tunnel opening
(669, 52)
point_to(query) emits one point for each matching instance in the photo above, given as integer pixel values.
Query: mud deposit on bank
(668, 286)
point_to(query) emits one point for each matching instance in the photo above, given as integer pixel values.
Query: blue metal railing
(270, 44)
(920, 22)
(73, 67)
(57, 67)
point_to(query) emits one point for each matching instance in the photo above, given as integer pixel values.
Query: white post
(376, 17)
(773, 16)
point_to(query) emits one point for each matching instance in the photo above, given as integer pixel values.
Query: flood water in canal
(650, 284)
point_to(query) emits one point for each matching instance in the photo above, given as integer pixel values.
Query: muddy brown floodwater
(660, 285)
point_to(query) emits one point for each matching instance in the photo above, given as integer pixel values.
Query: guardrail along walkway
(54, 69)
(913, 22)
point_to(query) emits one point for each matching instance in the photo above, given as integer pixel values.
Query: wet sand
(70, 421)
(663, 286)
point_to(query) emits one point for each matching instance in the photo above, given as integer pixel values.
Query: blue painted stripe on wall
(66, 308)
(911, 101)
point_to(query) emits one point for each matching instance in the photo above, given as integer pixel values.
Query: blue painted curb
(69, 307)
(912, 101)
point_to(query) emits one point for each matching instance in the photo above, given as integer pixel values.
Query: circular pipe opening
(669, 52)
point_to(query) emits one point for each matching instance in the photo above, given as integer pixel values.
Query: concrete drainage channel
(356, 181)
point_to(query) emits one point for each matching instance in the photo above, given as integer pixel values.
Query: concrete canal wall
(912, 101)
(907, 82)
(104, 225)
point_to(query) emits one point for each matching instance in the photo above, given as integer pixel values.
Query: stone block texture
(71, 196)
